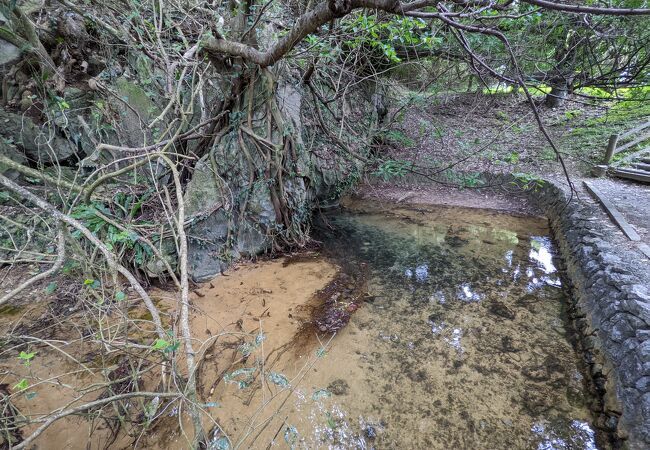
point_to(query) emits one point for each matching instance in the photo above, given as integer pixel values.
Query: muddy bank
(503, 197)
(254, 313)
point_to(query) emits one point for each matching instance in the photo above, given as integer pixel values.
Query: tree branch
(589, 9)
(60, 258)
(306, 24)
(108, 255)
(81, 408)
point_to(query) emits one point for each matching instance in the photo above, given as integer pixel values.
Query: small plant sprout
(21, 385)
(26, 358)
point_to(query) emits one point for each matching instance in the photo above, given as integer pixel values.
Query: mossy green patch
(588, 139)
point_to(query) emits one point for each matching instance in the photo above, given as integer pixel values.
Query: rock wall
(235, 190)
(613, 312)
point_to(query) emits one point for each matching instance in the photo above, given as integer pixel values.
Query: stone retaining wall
(612, 309)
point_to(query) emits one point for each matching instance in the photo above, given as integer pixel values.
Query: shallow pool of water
(464, 343)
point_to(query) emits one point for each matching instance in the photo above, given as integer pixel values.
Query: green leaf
(51, 287)
(290, 435)
(172, 348)
(120, 296)
(22, 385)
(160, 344)
(151, 408)
(331, 422)
(26, 356)
(211, 405)
(260, 338)
(220, 444)
(91, 283)
(247, 371)
(243, 384)
(244, 374)
(246, 349)
(321, 394)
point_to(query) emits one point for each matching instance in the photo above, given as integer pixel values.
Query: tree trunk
(558, 95)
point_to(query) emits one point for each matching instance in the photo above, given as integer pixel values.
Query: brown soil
(475, 132)
(276, 298)
(497, 198)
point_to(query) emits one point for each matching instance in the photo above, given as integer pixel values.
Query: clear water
(464, 344)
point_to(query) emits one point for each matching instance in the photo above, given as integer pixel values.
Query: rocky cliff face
(250, 194)
(250, 183)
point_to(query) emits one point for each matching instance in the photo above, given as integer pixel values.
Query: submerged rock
(338, 387)
(501, 309)
(333, 319)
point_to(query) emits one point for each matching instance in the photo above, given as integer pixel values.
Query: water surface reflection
(464, 345)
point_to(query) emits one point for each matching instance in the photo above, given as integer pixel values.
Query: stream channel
(463, 343)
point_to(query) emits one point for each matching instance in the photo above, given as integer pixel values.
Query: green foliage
(393, 169)
(278, 379)
(100, 220)
(388, 35)
(572, 113)
(56, 102)
(91, 283)
(21, 385)
(548, 154)
(320, 394)
(502, 116)
(165, 346)
(512, 158)
(331, 423)
(220, 443)
(160, 344)
(396, 138)
(51, 287)
(291, 435)
(588, 137)
(464, 180)
(150, 410)
(347, 184)
(528, 181)
(241, 377)
(385, 39)
(26, 358)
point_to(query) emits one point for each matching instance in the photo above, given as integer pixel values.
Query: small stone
(643, 384)
(501, 310)
(639, 292)
(370, 432)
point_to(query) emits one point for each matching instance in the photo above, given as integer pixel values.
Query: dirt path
(631, 199)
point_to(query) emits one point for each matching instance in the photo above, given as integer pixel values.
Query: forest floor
(462, 134)
(498, 133)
